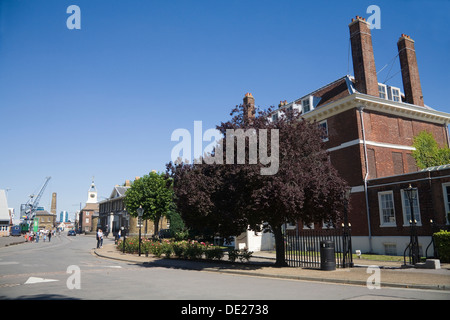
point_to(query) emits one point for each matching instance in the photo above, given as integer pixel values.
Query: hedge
(185, 249)
(442, 243)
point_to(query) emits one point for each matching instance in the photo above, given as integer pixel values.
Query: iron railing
(302, 248)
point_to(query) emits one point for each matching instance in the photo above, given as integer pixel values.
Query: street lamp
(414, 242)
(124, 235)
(140, 212)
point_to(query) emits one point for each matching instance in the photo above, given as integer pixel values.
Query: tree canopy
(229, 198)
(154, 192)
(428, 153)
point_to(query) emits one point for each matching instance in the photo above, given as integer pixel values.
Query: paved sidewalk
(9, 241)
(262, 264)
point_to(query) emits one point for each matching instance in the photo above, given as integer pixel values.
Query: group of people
(41, 234)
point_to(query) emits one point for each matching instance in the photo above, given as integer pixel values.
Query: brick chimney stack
(53, 205)
(249, 107)
(410, 71)
(363, 59)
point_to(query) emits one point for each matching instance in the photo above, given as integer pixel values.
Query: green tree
(427, 153)
(154, 192)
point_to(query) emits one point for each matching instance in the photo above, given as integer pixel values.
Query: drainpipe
(360, 109)
(446, 133)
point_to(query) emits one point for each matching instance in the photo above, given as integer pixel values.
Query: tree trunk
(156, 225)
(279, 247)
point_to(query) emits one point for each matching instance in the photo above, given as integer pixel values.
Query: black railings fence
(302, 248)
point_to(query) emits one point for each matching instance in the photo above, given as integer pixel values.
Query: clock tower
(92, 193)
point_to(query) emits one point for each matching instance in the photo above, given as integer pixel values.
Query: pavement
(391, 274)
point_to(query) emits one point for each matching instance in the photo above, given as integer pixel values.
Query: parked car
(164, 233)
(71, 233)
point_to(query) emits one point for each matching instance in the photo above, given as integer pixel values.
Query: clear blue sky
(103, 101)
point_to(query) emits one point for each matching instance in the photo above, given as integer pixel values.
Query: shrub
(167, 248)
(442, 242)
(214, 252)
(194, 249)
(233, 254)
(242, 255)
(179, 249)
(245, 255)
(156, 248)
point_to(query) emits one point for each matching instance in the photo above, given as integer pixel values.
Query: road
(65, 268)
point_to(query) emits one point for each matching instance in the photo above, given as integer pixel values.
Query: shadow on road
(184, 264)
(41, 297)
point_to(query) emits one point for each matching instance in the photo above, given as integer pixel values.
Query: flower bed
(186, 249)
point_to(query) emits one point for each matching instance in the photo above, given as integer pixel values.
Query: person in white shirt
(99, 238)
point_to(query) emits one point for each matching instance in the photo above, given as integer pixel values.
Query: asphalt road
(65, 268)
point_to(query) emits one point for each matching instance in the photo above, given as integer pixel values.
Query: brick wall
(382, 127)
(431, 201)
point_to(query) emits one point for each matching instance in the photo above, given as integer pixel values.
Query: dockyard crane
(28, 209)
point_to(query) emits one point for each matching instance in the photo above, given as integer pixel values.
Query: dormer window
(382, 92)
(275, 117)
(394, 94)
(306, 103)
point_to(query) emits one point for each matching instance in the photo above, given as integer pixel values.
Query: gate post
(347, 259)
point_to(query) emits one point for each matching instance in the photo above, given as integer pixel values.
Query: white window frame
(392, 222)
(392, 96)
(446, 202)
(321, 124)
(310, 105)
(327, 225)
(405, 208)
(308, 226)
(291, 226)
(380, 85)
(275, 117)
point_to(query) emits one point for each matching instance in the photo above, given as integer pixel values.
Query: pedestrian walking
(99, 238)
(44, 235)
(50, 236)
(37, 237)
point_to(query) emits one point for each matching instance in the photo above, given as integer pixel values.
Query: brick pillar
(410, 71)
(363, 58)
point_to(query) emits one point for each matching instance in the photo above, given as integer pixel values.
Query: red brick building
(370, 129)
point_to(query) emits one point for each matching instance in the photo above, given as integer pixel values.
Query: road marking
(8, 285)
(116, 267)
(32, 280)
(4, 263)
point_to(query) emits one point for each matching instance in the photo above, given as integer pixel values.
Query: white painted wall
(379, 244)
(255, 241)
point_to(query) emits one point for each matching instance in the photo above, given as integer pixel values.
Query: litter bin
(327, 259)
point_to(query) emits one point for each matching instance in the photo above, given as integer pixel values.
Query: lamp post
(123, 234)
(413, 242)
(140, 212)
(347, 239)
